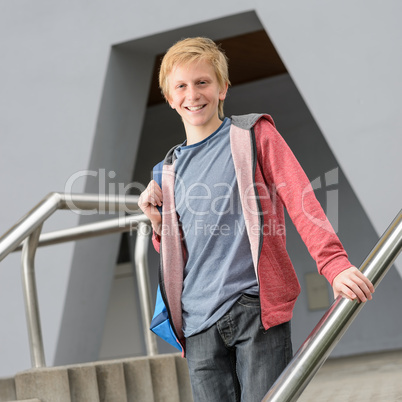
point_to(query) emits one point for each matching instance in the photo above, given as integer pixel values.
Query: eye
(180, 86)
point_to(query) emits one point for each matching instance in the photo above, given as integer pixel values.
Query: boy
(227, 281)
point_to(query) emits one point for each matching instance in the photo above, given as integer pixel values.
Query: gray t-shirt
(219, 266)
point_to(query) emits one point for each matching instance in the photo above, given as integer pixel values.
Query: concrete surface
(111, 382)
(138, 380)
(162, 378)
(27, 400)
(49, 384)
(373, 377)
(83, 384)
(7, 389)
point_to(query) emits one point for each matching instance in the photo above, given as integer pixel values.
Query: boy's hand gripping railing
(28, 229)
(324, 337)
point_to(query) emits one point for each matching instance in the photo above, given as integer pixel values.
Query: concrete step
(47, 384)
(26, 400)
(145, 379)
(7, 389)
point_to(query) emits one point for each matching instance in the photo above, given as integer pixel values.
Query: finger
(366, 281)
(347, 293)
(150, 197)
(154, 201)
(350, 290)
(364, 284)
(360, 289)
(155, 193)
(155, 186)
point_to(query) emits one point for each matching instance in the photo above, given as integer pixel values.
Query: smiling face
(194, 93)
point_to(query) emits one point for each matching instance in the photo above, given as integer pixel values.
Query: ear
(223, 92)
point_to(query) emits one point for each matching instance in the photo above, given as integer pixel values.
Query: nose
(192, 93)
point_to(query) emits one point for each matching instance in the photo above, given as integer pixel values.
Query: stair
(7, 389)
(144, 379)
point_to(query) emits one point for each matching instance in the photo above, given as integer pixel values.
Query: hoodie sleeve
(281, 168)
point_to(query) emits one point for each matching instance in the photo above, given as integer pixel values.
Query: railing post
(324, 337)
(141, 265)
(31, 299)
(27, 230)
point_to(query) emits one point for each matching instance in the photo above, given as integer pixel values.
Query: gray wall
(53, 72)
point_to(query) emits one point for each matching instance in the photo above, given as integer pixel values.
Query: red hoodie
(269, 178)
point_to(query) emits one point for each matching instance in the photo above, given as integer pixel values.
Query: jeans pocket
(249, 300)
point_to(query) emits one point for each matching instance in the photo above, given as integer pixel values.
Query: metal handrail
(28, 229)
(31, 299)
(55, 201)
(328, 332)
(141, 264)
(95, 229)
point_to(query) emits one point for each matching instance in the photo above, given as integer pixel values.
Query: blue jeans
(236, 359)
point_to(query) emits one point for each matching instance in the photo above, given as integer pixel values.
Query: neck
(196, 134)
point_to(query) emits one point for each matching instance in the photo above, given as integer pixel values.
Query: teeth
(194, 108)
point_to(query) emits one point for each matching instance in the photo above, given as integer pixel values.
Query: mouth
(194, 108)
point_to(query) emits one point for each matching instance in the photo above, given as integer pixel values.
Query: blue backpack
(160, 324)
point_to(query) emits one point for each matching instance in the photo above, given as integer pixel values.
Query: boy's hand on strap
(353, 285)
(149, 200)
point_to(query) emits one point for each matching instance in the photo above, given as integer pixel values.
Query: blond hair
(190, 50)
